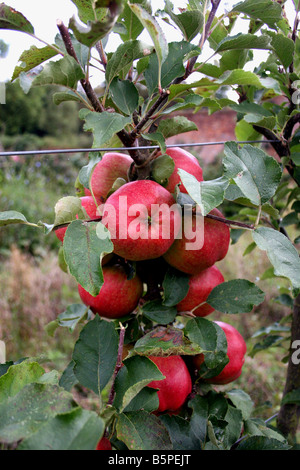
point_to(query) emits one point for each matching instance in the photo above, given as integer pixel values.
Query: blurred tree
(36, 113)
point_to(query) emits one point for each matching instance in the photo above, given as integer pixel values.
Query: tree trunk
(288, 417)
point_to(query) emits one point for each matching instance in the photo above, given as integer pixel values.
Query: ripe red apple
(201, 247)
(236, 350)
(90, 207)
(118, 296)
(104, 444)
(200, 287)
(112, 166)
(143, 220)
(185, 161)
(177, 385)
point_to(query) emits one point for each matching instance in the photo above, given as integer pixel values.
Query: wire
(115, 149)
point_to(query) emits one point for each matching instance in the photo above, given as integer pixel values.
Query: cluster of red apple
(136, 215)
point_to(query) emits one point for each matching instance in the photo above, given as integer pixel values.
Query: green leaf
(244, 41)
(190, 22)
(131, 430)
(70, 318)
(137, 373)
(155, 32)
(176, 125)
(131, 22)
(165, 341)
(212, 340)
(207, 194)
(124, 56)
(12, 217)
(156, 311)
(95, 354)
(86, 10)
(85, 244)
(87, 170)
(267, 342)
(162, 168)
(14, 20)
(125, 95)
(77, 430)
(266, 122)
(242, 401)
(292, 397)
(255, 173)
(180, 432)
(100, 25)
(29, 410)
(65, 72)
(281, 253)
(62, 96)
(239, 77)
(284, 48)
(199, 418)
(236, 296)
(262, 443)
(175, 286)
(103, 125)
(17, 377)
(67, 209)
(32, 58)
(263, 10)
(172, 67)
(68, 379)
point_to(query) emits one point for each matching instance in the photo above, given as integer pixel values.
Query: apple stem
(118, 365)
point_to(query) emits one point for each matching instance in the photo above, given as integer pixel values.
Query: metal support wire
(115, 149)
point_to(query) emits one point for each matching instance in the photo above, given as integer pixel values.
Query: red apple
(207, 243)
(104, 444)
(177, 385)
(112, 166)
(90, 207)
(236, 350)
(118, 296)
(185, 161)
(143, 220)
(200, 287)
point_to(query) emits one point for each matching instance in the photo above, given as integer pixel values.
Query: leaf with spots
(64, 72)
(236, 296)
(32, 58)
(131, 430)
(165, 341)
(14, 20)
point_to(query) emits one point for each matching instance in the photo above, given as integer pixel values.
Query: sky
(44, 14)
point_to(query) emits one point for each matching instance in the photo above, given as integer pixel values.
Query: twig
(231, 222)
(102, 55)
(290, 126)
(212, 14)
(118, 365)
(90, 93)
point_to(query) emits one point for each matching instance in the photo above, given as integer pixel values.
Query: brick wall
(216, 127)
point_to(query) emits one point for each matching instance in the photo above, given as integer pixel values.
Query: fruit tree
(145, 231)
